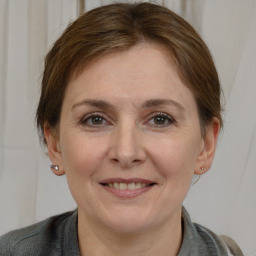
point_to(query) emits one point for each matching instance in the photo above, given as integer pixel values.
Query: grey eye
(93, 120)
(161, 119)
(96, 120)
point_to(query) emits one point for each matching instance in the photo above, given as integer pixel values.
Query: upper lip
(131, 180)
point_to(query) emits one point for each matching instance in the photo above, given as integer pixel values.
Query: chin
(130, 221)
(129, 226)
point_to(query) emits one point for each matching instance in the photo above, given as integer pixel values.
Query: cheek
(82, 160)
(176, 157)
(82, 156)
(175, 162)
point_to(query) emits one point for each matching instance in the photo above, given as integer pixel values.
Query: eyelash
(167, 118)
(85, 120)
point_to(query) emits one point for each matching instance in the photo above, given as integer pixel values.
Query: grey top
(57, 236)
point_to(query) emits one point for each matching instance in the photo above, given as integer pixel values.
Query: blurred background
(224, 198)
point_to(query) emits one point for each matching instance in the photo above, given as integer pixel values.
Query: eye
(96, 119)
(160, 120)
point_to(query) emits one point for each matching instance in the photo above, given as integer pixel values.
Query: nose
(127, 146)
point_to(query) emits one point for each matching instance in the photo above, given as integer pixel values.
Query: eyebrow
(161, 102)
(147, 104)
(94, 103)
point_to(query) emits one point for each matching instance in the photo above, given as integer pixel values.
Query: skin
(147, 128)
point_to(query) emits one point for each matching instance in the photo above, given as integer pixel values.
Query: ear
(54, 150)
(209, 146)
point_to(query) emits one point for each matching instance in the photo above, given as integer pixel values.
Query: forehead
(142, 72)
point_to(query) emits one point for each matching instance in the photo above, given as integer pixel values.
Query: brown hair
(118, 27)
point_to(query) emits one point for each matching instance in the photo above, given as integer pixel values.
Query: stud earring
(54, 167)
(202, 168)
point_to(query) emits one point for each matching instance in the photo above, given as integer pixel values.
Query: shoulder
(34, 239)
(223, 242)
(200, 240)
(210, 240)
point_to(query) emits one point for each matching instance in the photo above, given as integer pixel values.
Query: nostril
(115, 160)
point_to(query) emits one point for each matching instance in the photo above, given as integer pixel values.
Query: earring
(54, 167)
(202, 168)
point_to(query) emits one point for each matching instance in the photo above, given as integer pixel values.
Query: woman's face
(130, 140)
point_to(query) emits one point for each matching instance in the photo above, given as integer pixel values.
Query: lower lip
(127, 193)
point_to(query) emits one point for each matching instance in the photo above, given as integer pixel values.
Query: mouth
(127, 188)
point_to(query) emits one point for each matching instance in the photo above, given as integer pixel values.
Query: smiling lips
(127, 188)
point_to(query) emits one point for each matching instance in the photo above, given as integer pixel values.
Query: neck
(97, 240)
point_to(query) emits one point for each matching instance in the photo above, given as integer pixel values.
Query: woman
(130, 112)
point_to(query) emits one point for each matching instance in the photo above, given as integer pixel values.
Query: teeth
(129, 186)
(138, 185)
(116, 185)
(122, 186)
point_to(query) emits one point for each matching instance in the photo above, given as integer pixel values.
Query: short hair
(118, 27)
